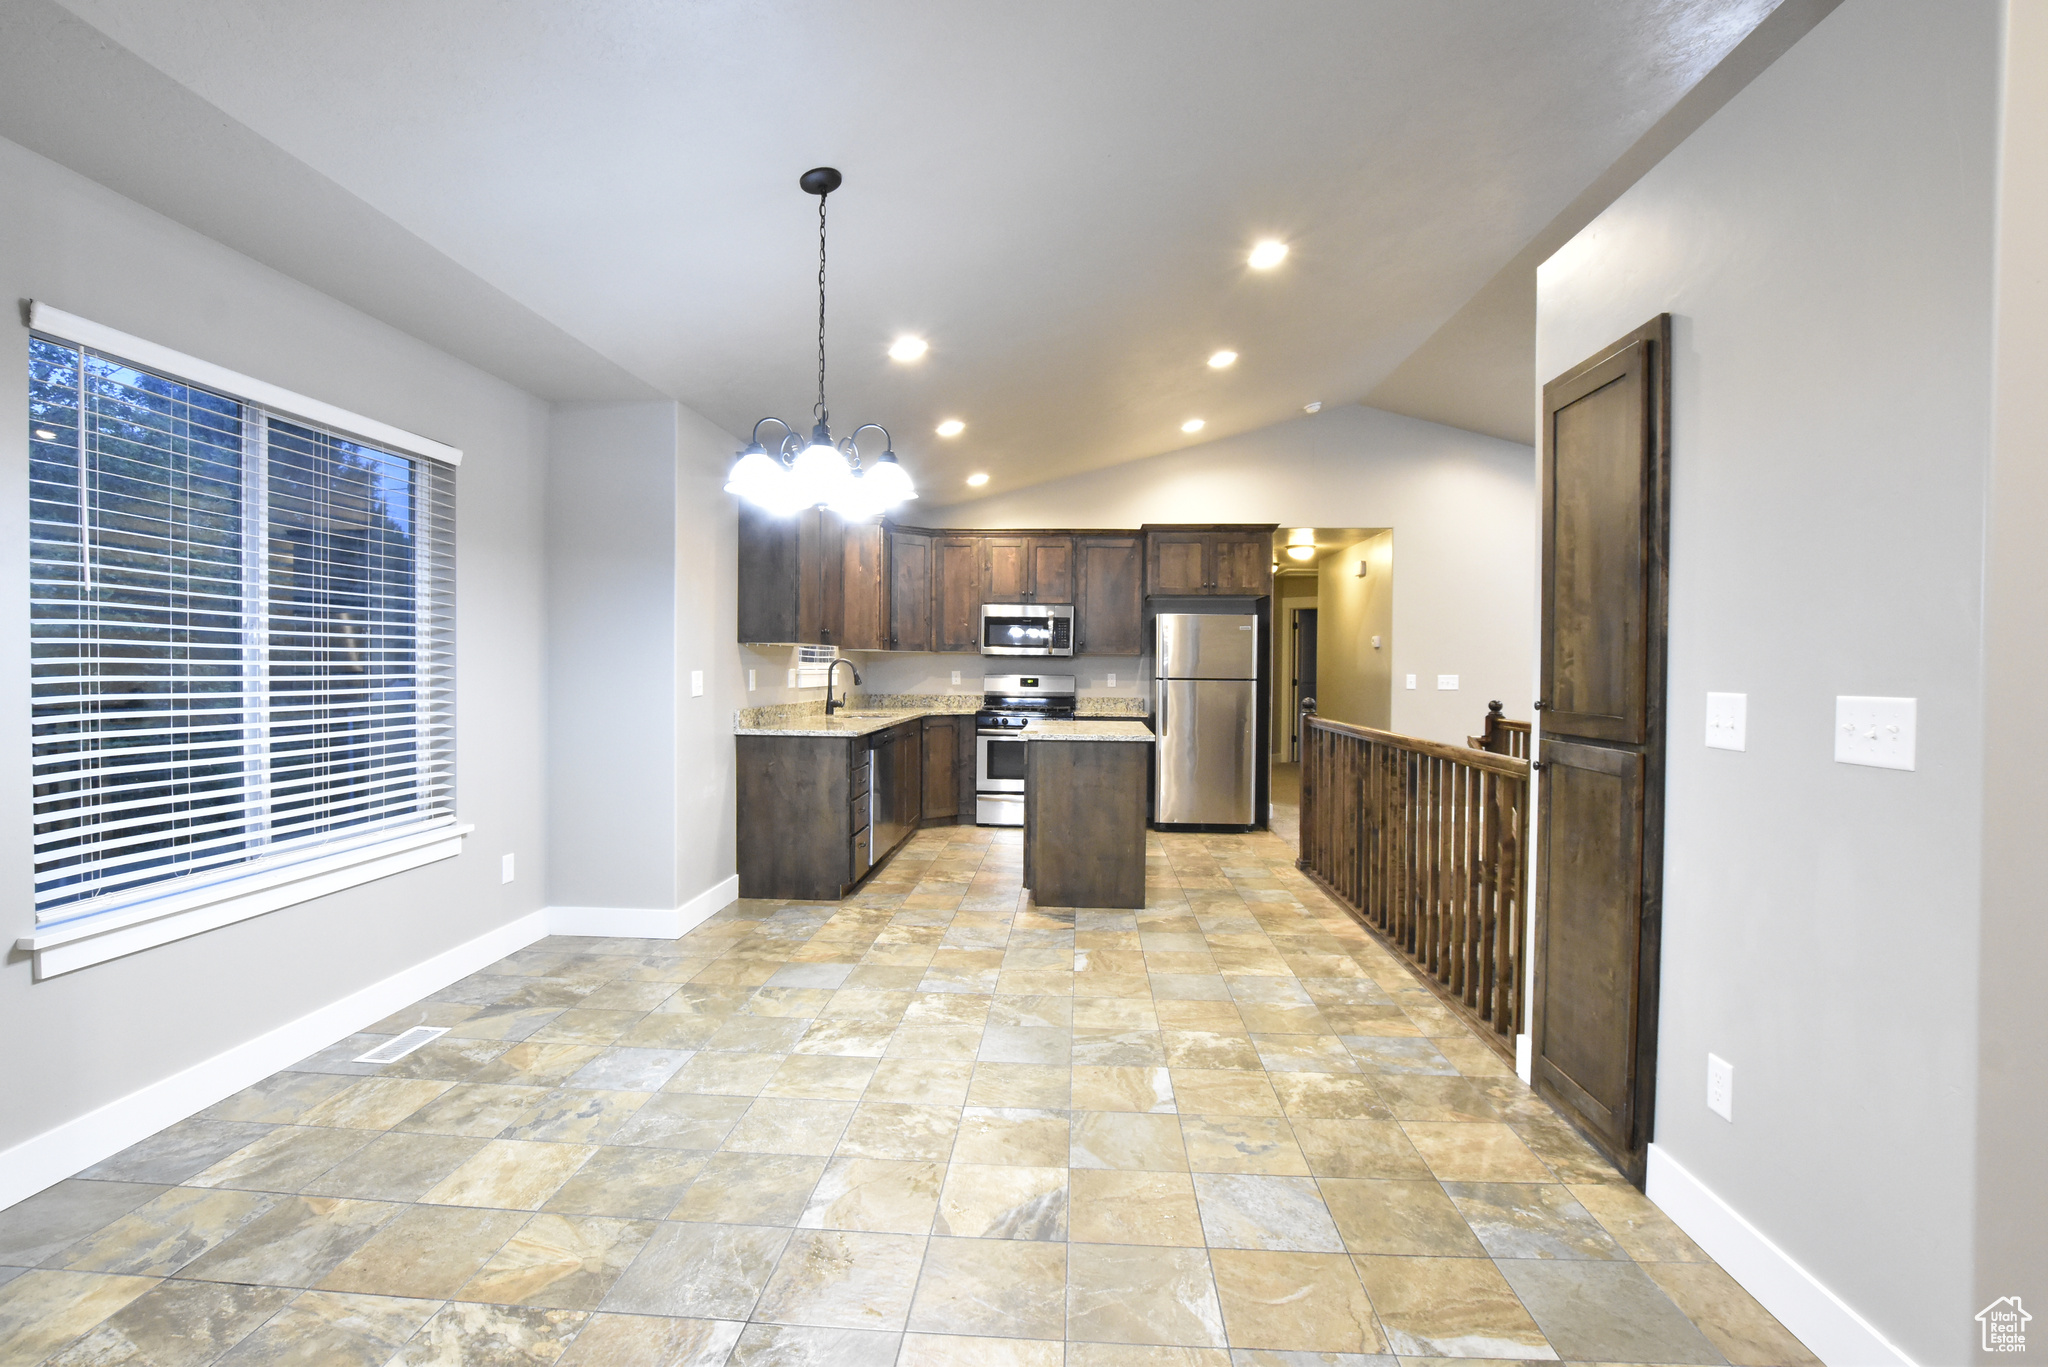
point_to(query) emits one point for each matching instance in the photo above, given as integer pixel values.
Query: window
(242, 636)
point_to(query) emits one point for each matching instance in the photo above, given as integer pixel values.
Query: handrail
(1424, 843)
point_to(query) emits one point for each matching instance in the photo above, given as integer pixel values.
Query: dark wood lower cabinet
(941, 768)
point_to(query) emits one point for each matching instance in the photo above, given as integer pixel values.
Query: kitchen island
(1085, 799)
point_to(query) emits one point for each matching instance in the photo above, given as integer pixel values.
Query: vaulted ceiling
(598, 198)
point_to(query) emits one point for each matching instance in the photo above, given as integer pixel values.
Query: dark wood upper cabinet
(863, 587)
(790, 577)
(1179, 562)
(910, 590)
(1109, 595)
(1006, 569)
(1234, 562)
(1052, 569)
(956, 593)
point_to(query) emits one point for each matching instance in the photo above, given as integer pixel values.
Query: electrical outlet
(1375, 643)
(1446, 683)
(1411, 681)
(1112, 681)
(505, 869)
(1727, 721)
(696, 683)
(1721, 1087)
(750, 681)
(1875, 731)
(956, 676)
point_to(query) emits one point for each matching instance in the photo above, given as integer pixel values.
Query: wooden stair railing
(1425, 844)
(1501, 737)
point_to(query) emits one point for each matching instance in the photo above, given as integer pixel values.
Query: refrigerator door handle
(1159, 720)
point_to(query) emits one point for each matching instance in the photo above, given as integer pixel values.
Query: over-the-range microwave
(1027, 629)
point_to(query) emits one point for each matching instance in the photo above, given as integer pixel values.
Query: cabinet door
(818, 577)
(1006, 569)
(941, 760)
(956, 593)
(1179, 563)
(768, 575)
(1109, 595)
(1242, 564)
(910, 777)
(910, 590)
(864, 587)
(1052, 569)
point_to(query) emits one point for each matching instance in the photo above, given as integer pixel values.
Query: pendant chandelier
(818, 473)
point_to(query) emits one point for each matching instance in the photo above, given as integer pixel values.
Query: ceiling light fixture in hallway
(820, 473)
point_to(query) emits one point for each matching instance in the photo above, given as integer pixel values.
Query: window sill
(93, 939)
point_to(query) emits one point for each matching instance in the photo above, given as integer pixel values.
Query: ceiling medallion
(819, 473)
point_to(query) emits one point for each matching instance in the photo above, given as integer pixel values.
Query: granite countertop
(861, 723)
(1087, 730)
(809, 719)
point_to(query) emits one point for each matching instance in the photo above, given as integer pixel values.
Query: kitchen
(827, 791)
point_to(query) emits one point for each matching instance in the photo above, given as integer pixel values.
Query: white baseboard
(58, 1153)
(1525, 1056)
(645, 923)
(1823, 1321)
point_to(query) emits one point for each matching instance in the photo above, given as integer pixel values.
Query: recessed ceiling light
(1191, 425)
(1222, 359)
(951, 427)
(1315, 407)
(46, 433)
(907, 348)
(977, 479)
(1268, 254)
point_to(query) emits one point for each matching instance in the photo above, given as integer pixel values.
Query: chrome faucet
(830, 706)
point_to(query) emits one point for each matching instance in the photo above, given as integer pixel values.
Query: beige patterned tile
(876, 1195)
(176, 1324)
(490, 1336)
(844, 1280)
(1111, 1207)
(1450, 1307)
(326, 1329)
(1242, 1143)
(1122, 1089)
(1005, 1288)
(890, 1129)
(43, 1310)
(750, 1189)
(510, 1175)
(425, 1252)
(1122, 1294)
(920, 1082)
(1012, 1136)
(652, 1341)
(1003, 1202)
(1474, 1152)
(1294, 1302)
(563, 1262)
(295, 1242)
(1128, 1142)
(1358, 1148)
(375, 1103)
(166, 1233)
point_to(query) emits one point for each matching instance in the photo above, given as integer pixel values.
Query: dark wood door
(1109, 602)
(941, 766)
(1006, 569)
(1600, 832)
(864, 587)
(956, 593)
(910, 590)
(1242, 564)
(1179, 563)
(1052, 569)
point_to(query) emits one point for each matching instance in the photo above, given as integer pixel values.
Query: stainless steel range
(1008, 703)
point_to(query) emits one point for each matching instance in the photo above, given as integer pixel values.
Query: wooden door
(1600, 833)
(941, 765)
(864, 587)
(1109, 595)
(1006, 569)
(1242, 564)
(1052, 569)
(956, 593)
(910, 590)
(1179, 563)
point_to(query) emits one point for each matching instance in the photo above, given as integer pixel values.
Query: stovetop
(1010, 701)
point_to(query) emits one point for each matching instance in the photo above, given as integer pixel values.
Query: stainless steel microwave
(1027, 629)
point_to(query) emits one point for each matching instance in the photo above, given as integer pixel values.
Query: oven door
(998, 762)
(1026, 629)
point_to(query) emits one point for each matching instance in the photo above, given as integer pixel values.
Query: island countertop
(1085, 729)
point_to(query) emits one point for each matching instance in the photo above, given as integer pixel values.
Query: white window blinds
(242, 627)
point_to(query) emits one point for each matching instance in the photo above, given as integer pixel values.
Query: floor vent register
(398, 1046)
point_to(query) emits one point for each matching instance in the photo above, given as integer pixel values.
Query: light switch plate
(1727, 721)
(1375, 643)
(1411, 681)
(1112, 681)
(1721, 1087)
(1875, 731)
(505, 869)
(956, 676)
(696, 683)
(1446, 682)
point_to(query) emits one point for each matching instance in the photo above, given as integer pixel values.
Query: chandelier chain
(820, 409)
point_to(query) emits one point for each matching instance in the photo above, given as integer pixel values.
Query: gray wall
(1461, 507)
(1354, 682)
(642, 565)
(92, 1036)
(1824, 243)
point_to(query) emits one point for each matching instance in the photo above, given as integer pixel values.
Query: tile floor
(932, 1124)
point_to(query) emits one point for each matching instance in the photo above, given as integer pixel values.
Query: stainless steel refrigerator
(1205, 711)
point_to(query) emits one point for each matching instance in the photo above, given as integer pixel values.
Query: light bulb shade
(821, 475)
(857, 499)
(1301, 552)
(889, 484)
(757, 477)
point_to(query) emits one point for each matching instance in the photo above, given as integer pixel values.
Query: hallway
(929, 1125)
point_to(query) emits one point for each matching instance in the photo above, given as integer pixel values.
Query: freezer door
(1199, 645)
(1205, 751)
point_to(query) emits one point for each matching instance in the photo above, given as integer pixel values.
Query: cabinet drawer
(860, 853)
(859, 808)
(859, 785)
